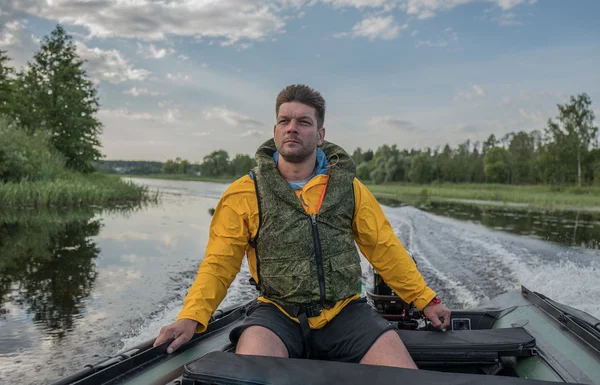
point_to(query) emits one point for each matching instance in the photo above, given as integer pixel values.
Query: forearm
(382, 248)
(208, 290)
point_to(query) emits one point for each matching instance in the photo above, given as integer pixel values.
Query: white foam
(568, 283)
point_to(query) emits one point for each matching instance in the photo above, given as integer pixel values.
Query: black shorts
(346, 338)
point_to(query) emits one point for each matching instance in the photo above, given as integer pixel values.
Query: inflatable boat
(518, 338)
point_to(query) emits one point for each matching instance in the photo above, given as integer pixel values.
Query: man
(297, 217)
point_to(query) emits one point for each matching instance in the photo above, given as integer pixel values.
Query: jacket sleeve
(382, 248)
(227, 243)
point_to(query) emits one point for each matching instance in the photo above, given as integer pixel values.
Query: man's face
(295, 133)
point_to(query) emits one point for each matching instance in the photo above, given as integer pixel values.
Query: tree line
(565, 152)
(50, 100)
(216, 164)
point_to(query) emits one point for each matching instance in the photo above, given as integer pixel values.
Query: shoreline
(539, 197)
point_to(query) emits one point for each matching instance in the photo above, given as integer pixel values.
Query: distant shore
(569, 198)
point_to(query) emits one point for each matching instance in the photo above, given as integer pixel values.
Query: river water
(77, 286)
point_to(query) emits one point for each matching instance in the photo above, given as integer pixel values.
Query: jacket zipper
(318, 258)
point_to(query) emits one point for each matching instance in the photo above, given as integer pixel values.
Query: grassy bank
(538, 196)
(33, 173)
(73, 189)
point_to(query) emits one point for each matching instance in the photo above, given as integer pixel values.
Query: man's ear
(321, 132)
(274, 128)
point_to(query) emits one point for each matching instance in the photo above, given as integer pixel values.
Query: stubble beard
(296, 155)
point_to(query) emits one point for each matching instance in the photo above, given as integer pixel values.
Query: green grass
(73, 189)
(539, 196)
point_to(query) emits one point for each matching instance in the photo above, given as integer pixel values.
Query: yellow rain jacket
(235, 222)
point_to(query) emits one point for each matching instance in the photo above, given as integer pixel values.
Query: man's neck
(297, 171)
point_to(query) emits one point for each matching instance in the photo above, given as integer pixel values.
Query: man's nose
(293, 126)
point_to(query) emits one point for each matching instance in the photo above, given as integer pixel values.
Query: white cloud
(505, 101)
(244, 46)
(475, 91)
(183, 57)
(533, 117)
(508, 18)
(172, 115)
(9, 34)
(357, 3)
(177, 77)
(425, 9)
(230, 117)
(151, 52)
(449, 31)
(141, 91)
(109, 65)
(429, 43)
(228, 21)
(554, 94)
(375, 27)
(18, 41)
(391, 122)
(427, 14)
(203, 133)
(252, 133)
(414, 33)
(153, 20)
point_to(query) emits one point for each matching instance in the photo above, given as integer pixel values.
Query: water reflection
(47, 266)
(565, 228)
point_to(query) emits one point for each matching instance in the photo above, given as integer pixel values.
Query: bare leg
(260, 341)
(389, 350)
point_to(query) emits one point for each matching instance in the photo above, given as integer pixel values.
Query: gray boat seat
(472, 347)
(223, 368)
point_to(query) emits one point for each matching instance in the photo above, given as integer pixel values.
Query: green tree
(363, 171)
(377, 175)
(521, 148)
(5, 84)
(444, 164)
(574, 129)
(489, 143)
(55, 94)
(476, 171)
(241, 164)
(216, 164)
(170, 167)
(358, 156)
(496, 164)
(422, 168)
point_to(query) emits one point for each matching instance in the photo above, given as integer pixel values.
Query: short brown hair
(305, 95)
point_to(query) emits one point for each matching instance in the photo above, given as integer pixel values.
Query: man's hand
(435, 312)
(181, 331)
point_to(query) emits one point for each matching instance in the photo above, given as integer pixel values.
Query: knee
(258, 340)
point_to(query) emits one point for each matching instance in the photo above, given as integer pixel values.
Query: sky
(183, 78)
